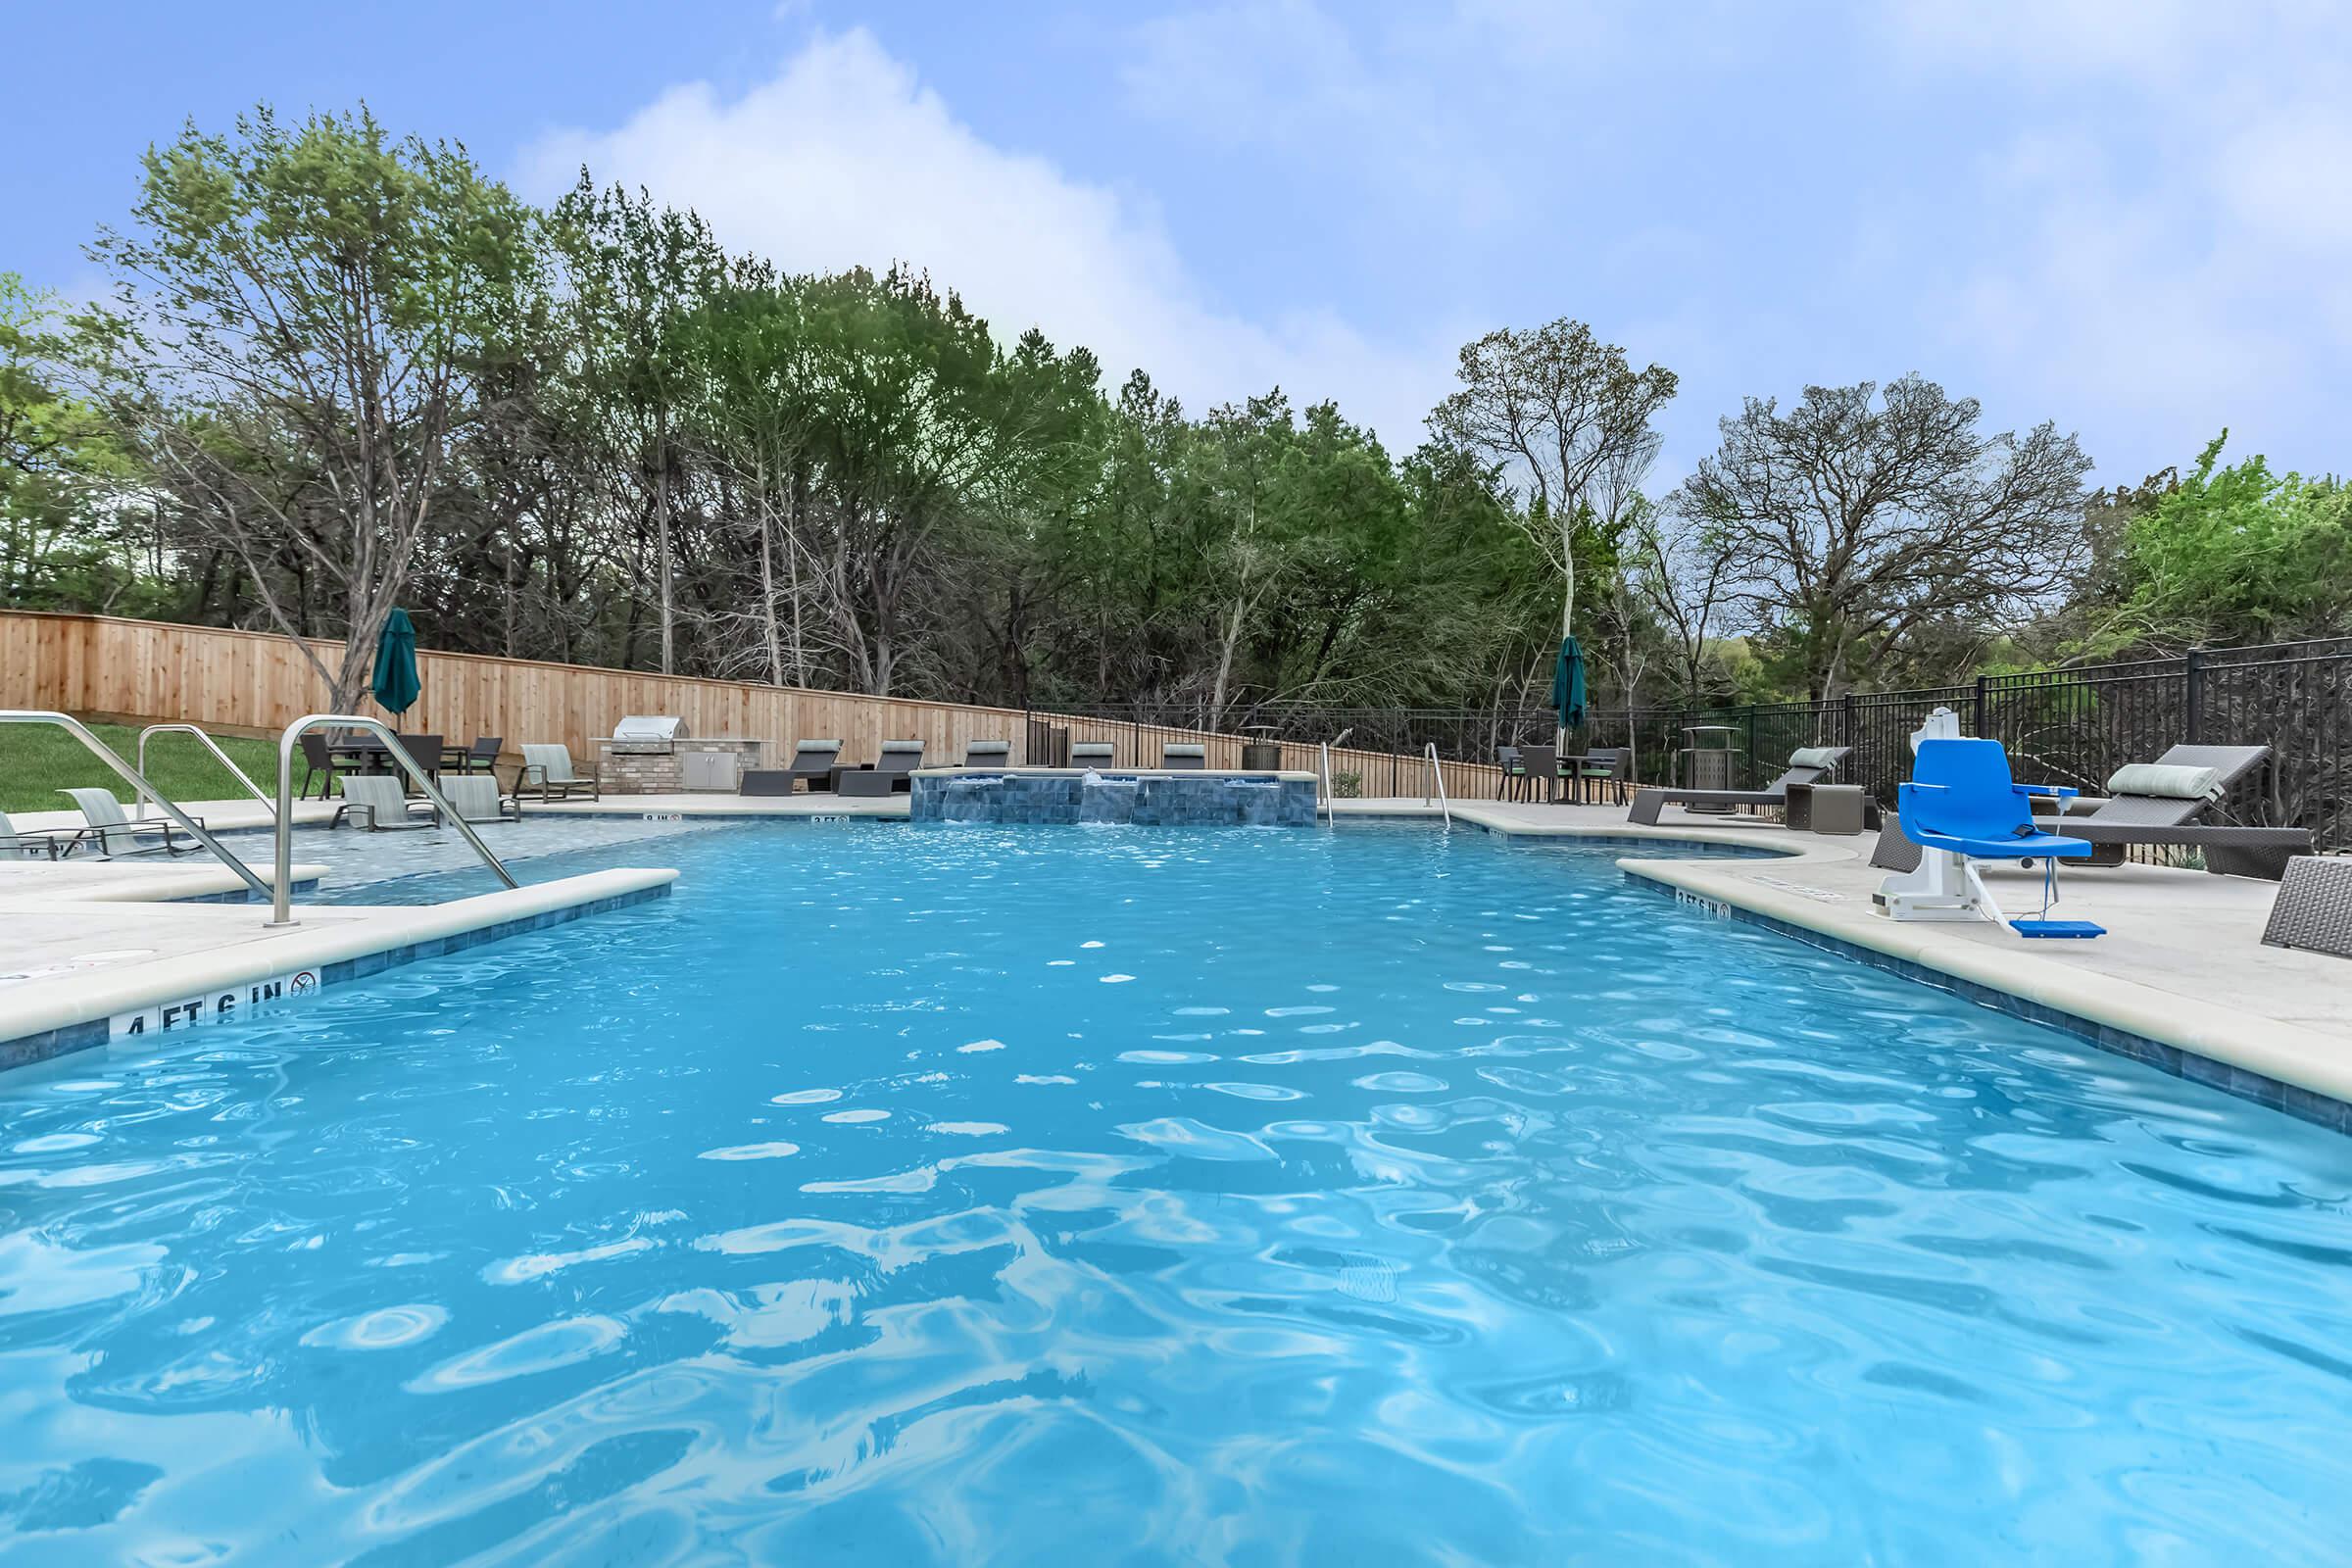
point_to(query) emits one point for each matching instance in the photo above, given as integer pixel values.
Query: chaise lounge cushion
(1821, 756)
(2169, 782)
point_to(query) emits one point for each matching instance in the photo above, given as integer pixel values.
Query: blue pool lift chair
(1960, 807)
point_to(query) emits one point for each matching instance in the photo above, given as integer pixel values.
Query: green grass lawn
(36, 760)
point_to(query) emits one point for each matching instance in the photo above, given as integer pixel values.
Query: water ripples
(836, 1210)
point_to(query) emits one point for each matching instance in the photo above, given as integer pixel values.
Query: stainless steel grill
(647, 735)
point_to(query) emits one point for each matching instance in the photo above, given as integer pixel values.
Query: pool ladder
(281, 903)
(1437, 782)
(144, 790)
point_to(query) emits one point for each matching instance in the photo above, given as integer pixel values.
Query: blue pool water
(948, 1195)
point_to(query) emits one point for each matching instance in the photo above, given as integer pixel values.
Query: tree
(1570, 418)
(1680, 572)
(298, 314)
(1850, 520)
(66, 534)
(2228, 555)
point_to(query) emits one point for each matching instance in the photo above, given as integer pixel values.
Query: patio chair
(1807, 765)
(548, 773)
(899, 758)
(2162, 803)
(483, 756)
(377, 801)
(116, 834)
(1962, 806)
(1092, 753)
(45, 842)
(476, 798)
(1507, 774)
(813, 763)
(316, 760)
(988, 754)
(1540, 772)
(1185, 759)
(1609, 769)
(425, 751)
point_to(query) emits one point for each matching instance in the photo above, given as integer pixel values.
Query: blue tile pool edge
(2304, 1104)
(50, 1044)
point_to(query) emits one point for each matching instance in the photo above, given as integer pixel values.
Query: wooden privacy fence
(146, 671)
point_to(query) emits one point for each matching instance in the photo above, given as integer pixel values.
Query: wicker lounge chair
(1185, 759)
(548, 773)
(1808, 764)
(812, 763)
(377, 802)
(988, 754)
(899, 758)
(2112, 825)
(116, 834)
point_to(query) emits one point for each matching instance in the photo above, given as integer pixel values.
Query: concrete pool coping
(157, 966)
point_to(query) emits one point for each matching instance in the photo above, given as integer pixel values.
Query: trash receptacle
(1261, 757)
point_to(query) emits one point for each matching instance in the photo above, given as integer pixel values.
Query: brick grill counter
(631, 767)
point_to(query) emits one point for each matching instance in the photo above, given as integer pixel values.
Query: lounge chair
(812, 763)
(476, 798)
(1960, 807)
(2160, 803)
(1807, 765)
(1185, 759)
(988, 754)
(899, 758)
(116, 834)
(548, 773)
(1092, 753)
(377, 801)
(46, 842)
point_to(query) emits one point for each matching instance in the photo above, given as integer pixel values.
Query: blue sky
(2135, 219)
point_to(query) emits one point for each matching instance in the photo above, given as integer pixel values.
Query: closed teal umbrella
(1568, 684)
(396, 682)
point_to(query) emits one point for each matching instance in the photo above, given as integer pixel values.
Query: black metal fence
(2061, 726)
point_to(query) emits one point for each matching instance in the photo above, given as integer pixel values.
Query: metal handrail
(1437, 776)
(145, 791)
(281, 907)
(1329, 811)
(219, 755)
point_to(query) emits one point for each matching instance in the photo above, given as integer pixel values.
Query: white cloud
(844, 159)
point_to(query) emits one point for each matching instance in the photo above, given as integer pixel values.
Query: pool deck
(2182, 964)
(91, 949)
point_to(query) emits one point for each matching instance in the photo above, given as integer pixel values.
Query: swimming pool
(906, 1193)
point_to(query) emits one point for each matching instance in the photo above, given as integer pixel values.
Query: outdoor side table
(1825, 807)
